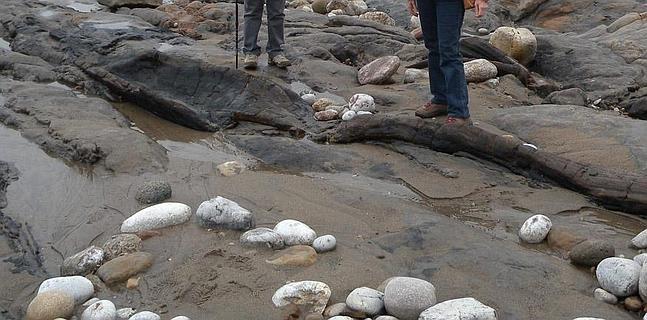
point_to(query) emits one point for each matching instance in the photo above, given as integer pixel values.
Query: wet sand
(390, 207)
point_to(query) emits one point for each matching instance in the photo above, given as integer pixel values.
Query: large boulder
(518, 43)
(405, 298)
(459, 309)
(619, 276)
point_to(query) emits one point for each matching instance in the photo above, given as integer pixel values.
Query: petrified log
(626, 191)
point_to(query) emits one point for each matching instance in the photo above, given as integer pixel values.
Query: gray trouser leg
(275, 17)
(253, 18)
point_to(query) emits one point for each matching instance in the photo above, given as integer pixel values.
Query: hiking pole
(236, 34)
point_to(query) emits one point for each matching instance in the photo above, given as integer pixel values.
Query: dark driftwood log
(473, 48)
(626, 191)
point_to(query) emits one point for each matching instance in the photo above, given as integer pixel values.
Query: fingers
(413, 9)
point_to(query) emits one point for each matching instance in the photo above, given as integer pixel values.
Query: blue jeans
(253, 19)
(441, 22)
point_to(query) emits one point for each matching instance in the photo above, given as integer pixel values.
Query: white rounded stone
(324, 243)
(310, 98)
(459, 309)
(479, 70)
(80, 288)
(314, 294)
(367, 300)
(361, 113)
(220, 212)
(262, 237)
(145, 315)
(90, 302)
(181, 318)
(414, 22)
(640, 240)
(125, 313)
(156, 217)
(618, 276)
(642, 282)
(641, 258)
(348, 115)
(604, 296)
(295, 232)
(100, 310)
(535, 229)
(361, 102)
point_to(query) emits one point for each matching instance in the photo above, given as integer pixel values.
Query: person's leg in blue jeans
(441, 22)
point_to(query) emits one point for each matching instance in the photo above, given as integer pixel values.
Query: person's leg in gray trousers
(275, 18)
(253, 17)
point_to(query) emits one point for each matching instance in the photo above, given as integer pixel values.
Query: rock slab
(405, 297)
(220, 212)
(156, 217)
(131, 3)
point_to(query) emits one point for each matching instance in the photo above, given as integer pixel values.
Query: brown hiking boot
(454, 121)
(430, 110)
(279, 60)
(251, 61)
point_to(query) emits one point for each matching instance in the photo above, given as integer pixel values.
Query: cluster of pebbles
(119, 260)
(622, 281)
(402, 298)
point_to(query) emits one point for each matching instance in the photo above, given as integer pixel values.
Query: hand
(480, 7)
(413, 7)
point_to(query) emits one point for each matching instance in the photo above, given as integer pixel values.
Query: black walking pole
(236, 34)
